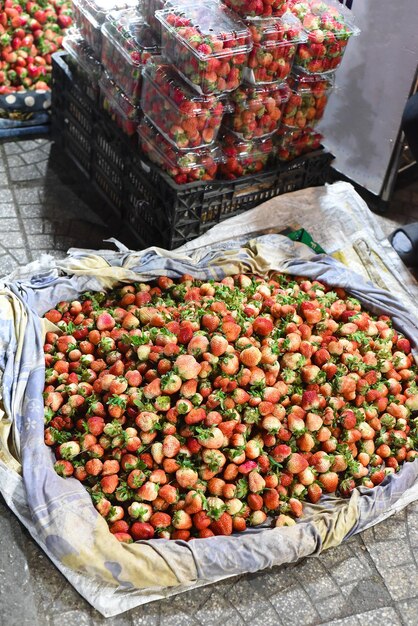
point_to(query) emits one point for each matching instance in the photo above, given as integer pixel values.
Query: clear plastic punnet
(184, 166)
(206, 43)
(128, 43)
(185, 118)
(258, 8)
(308, 98)
(291, 142)
(81, 55)
(123, 112)
(89, 16)
(275, 45)
(244, 158)
(256, 110)
(329, 26)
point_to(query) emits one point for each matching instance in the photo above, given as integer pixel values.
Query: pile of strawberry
(274, 49)
(256, 110)
(194, 409)
(258, 8)
(328, 35)
(184, 167)
(211, 60)
(30, 32)
(186, 118)
(292, 143)
(244, 157)
(127, 45)
(307, 102)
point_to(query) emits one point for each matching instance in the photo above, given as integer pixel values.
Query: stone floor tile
(4, 181)
(5, 196)
(382, 615)
(330, 608)
(24, 173)
(216, 610)
(146, 615)
(9, 224)
(7, 264)
(7, 210)
(349, 570)
(408, 610)
(345, 621)
(401, 582)
(294, 607)
(366, 595)
(71, 618)
(316, 581)
(14, 160)
(390, 553)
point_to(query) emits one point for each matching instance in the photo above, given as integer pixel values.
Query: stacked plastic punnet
(185, 94)
(114, 34)
(328, 26)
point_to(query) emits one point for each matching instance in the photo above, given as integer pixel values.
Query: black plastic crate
(147, 200)
(182, 212)
(77, 143)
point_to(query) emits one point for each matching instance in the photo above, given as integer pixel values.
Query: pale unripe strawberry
(256, 482)
(186, 477)
(117, 513)
(187, 366)
(157, 452)
(69, 449)
(257, 517)
(140, 510)
(146, 421)
(284, 520)
(148, 491)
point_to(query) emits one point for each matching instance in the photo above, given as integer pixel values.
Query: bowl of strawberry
(257, 110)
(184, 166)
(185, 118)
(291, 143)
(328, 26)
(127, 45)
(275, 44)
(243, 157)
(89, 15)
(122, 111)
(258, 8)
(207, 44)
(309, 95)
(29, 35)
(197, 408)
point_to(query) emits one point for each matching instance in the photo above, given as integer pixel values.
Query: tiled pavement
(372, 579)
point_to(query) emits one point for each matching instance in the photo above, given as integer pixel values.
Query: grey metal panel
(362, 120)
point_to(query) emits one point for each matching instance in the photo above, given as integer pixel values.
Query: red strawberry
(329, 481)
(142, 530)
(222, 526)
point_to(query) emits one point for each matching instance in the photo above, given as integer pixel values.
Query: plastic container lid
(321, 18)
(129, 33)
(118, 99)
(273, 31)
(80, 51)
(215, 26)
(96, 10)
(301, 82)
(173, 88)
(249, 95)
(191, 159)
(243, 149)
